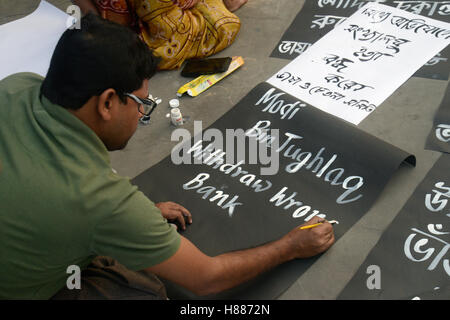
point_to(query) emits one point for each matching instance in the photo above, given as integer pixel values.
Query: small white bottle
(177, 118)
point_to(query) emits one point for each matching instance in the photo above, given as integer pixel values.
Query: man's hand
(173, 211)
(208, 275)
(309, 242)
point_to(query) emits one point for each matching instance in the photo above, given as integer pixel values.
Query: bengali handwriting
(431, 7)
(291, 47)
(416, 25)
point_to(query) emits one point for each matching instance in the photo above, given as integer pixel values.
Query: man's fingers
(185, 212)
(328, 240)
(175, 212)
(328, 243)
(179, 217)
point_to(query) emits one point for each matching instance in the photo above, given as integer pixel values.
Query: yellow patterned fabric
(176, 34)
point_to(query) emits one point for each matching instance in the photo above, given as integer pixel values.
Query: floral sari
(175, 34)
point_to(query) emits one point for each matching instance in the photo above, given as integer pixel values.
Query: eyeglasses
(145, 106)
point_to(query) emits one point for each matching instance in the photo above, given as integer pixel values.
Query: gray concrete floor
(404, 120)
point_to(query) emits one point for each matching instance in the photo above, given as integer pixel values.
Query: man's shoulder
(19, 82)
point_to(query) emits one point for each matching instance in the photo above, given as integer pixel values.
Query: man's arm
(201, 274)
(86, 6)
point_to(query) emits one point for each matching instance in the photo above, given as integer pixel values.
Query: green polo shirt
(60, 202)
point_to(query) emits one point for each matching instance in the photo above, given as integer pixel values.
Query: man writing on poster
(62, 205)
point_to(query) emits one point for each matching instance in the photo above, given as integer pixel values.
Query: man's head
(91, 71)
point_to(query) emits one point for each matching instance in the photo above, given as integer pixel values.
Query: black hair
(98, 56)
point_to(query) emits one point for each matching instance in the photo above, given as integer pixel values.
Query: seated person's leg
(107, 279)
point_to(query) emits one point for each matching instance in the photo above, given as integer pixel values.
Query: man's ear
(105, 103)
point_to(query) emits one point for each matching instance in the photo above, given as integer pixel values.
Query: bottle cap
(174, 103)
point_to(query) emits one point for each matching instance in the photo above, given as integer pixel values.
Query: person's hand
(310, 242)
(175, 212)
(185, 4)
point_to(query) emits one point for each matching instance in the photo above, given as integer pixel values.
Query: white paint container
(175, 115)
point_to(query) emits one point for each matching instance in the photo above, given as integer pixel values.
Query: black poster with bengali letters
(411, 259)
(439, 137)
(318, 17)
(319, 166)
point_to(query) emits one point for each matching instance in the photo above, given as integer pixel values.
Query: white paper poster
(27, 44)
(355, 67)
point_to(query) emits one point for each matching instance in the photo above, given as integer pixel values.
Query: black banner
(327, 167)
(439, 137)
(318, 17)
(411, 259)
